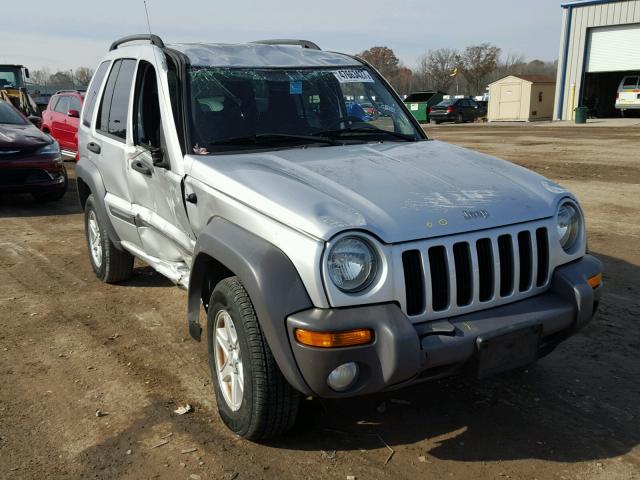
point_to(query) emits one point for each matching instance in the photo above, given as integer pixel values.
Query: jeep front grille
(455, 275)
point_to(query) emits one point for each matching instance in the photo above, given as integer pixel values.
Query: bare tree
(83, 76)
(477, 62)
(61, 80)
(40, 76)
(402, 81)
(436, 68)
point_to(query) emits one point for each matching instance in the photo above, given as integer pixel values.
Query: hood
(397, 191)
(22, 136)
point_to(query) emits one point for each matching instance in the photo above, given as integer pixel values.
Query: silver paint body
(400, 195)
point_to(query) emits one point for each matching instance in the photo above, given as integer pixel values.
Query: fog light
(343, 377)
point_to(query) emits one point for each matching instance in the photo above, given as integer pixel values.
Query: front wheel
(254, 399)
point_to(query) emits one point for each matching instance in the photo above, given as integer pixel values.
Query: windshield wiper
(369, 131)
(271, 137)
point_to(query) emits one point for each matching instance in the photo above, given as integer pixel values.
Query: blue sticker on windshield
(295, 87)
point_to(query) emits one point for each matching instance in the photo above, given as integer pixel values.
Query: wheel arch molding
(276, 291)
(90, 182)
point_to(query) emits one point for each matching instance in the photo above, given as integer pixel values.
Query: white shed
(523, 98)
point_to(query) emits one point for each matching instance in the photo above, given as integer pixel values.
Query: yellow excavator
(13, 89)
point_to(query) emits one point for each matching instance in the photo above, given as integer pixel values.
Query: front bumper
(36, 174)
(403, 353)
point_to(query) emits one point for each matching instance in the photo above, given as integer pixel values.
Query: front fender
(273, 284)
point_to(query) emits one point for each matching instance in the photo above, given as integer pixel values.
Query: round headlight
(569, 224)
(352, 264)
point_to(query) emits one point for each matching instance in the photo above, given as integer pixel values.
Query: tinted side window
(120, 100)
(63, 105)
(105, 104)
(92, 93)
(112, 117)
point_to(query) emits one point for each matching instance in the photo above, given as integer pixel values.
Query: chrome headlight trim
(569, 226)
(352, 256)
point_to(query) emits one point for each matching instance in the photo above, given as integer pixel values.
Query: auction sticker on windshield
(353, 76)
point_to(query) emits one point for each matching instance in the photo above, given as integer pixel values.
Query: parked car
(457, 110)
(30, 160)
(61, 119)
(356, 111)
(334, 257)
(370, 110)
(628, 95)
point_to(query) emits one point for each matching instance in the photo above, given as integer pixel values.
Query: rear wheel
(254, 399)
(110, 264)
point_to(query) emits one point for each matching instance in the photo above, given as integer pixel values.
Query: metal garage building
(599, 45)
(524, 98)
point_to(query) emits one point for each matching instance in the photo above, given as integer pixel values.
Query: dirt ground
(70, 345)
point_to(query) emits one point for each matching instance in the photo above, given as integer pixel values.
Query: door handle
(94, 147)
(140, 166)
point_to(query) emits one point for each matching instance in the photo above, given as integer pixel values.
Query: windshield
(235, 108)
(10, 116)
(8, 78)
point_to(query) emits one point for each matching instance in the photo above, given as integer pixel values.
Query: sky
(67, 34)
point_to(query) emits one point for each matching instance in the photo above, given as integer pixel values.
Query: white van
(628, 95)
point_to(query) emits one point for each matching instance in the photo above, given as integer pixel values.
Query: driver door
(156, 191)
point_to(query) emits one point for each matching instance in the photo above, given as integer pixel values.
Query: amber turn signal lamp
(348, 338)
(595, 281)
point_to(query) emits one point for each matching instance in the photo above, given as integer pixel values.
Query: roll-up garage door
(614, 48)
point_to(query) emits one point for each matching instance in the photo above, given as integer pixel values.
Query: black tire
(55, 195)
(437, 122)
(116, 265)
(269, 405)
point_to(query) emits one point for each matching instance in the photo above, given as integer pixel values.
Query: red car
(61, 119)
(30, 160)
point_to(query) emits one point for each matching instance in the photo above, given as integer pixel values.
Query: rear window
(62, 106)
(74, 103)
(448, 102)
(9, 116)
(92, 93)
(630, 82)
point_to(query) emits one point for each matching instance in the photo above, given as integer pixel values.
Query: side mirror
(73, 113)
(26, 72)
(37, 121)
(157, 157)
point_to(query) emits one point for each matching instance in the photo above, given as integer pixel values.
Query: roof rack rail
(289, 41)
(154, 39)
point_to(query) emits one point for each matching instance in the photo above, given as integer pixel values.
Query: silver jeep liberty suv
(336, 249)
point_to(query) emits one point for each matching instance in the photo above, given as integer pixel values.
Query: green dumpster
(580, 114)
(418, 103)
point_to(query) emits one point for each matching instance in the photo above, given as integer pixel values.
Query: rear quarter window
(92, 93)
(112, 116)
